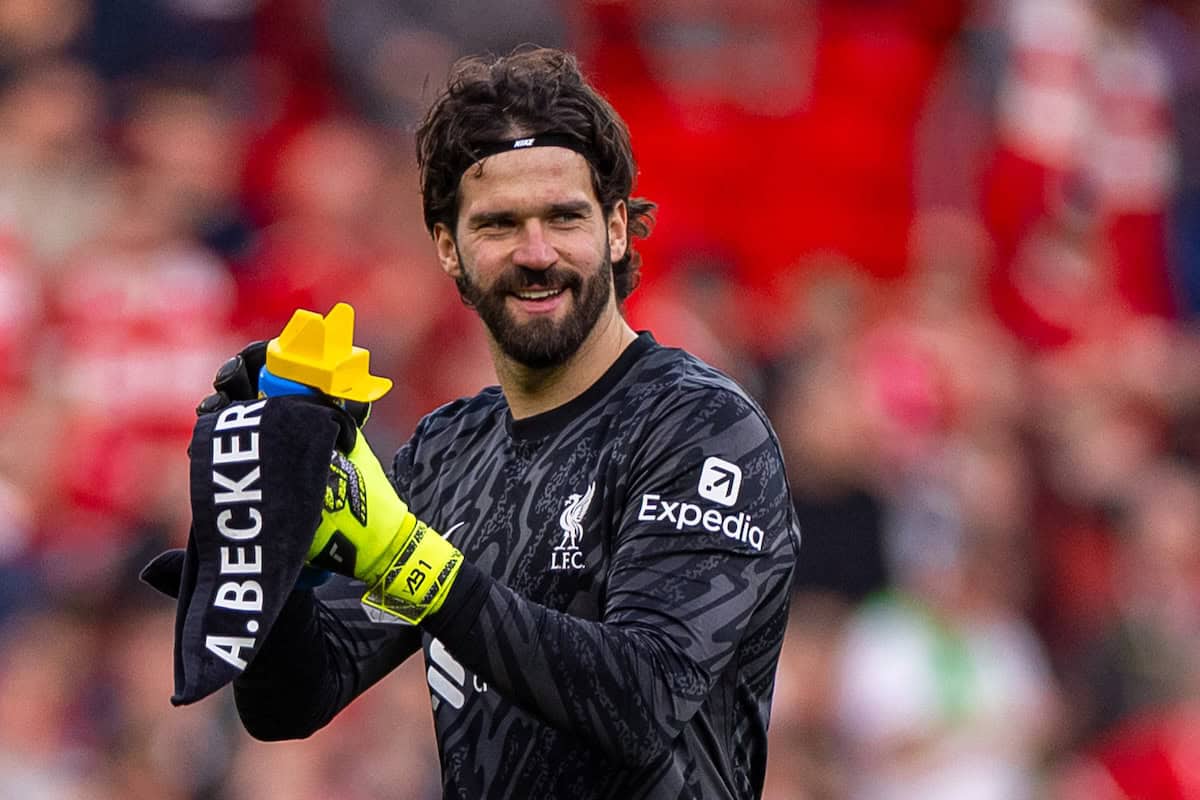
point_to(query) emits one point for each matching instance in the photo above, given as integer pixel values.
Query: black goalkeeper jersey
(616, 625)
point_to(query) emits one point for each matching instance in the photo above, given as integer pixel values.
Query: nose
(534, 250)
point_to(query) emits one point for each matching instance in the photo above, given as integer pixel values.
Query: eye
(493, 224)
(567, 217)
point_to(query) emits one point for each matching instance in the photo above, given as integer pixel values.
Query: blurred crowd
(952, 246)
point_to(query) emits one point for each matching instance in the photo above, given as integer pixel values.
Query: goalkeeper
(594, 557)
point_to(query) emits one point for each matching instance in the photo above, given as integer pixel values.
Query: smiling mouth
(539, 294)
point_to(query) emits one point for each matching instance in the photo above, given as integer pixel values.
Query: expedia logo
(689, 516)
(720, 481)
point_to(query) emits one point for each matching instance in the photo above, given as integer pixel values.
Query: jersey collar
(548, 423)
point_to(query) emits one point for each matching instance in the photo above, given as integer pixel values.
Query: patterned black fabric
(616, 628)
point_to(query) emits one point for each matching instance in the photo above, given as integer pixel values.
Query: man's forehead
(541, 174)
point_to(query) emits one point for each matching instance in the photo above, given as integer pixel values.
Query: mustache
(552, 278)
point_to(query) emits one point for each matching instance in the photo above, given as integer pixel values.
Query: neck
(531, 391)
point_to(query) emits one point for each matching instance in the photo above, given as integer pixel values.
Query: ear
(618, 230)
(447, 252)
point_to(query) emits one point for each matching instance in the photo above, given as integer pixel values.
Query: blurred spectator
(1143, 659)
(318, 249)
(126, 40)
(1149, 756)
(797, 145)
(141, 318)
(43, 661)
(389, 56)
(51, 157)
(151, 750)
(1083, 114)
(816, 399)
(804, 760)
(1175, 26)
(181, 135)
(938, 362)
(1058, 289)
(21, 311)
(1134, 683)
(700, 304)
(31, 31)
(22, 472)
(944, 690)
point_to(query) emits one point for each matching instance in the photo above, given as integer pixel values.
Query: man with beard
(594, 556)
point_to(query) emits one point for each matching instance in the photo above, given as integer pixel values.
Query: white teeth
(539, 295)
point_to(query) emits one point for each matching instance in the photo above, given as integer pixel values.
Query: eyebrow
(554, 209)
(570, 207)
(486, 217)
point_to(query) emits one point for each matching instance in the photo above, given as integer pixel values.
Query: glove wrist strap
(416, 582)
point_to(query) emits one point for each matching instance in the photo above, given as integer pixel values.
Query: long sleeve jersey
(616, 625)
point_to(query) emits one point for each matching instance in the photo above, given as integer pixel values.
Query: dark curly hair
(531, 91)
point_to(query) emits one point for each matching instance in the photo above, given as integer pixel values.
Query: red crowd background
(953, 246)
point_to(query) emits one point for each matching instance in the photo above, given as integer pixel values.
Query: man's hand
(368, 532)
(237, 379)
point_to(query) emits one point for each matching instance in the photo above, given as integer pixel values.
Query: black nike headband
(481, 150)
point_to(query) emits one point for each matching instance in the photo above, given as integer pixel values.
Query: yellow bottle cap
(319, 352)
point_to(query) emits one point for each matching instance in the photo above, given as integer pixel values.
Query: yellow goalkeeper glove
(368, 532)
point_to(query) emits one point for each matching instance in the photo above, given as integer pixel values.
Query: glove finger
(233, 380)
(359, 412)
(347, 430)
(214, 402)
(254, 355)
(237, 378)
(164, 572)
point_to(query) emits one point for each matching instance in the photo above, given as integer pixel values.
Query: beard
(540, 342)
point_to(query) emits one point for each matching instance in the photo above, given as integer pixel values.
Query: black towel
(258, 475)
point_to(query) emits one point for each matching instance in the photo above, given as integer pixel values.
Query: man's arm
(322, 653)
(679, 600)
